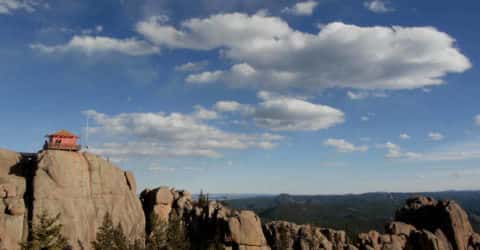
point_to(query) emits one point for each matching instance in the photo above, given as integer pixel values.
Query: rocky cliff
(81, 187)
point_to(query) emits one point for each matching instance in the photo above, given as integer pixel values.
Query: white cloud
(359, 95)
(269, 54)
(205, 77)
(404, 136)
(305, 8)
(281, 113)
(8, 6)
(394, 152)
(284, 113)
(169, 135)
(96, 44)
(228, 106)
(364, 118)
(192, 66)
(435, 136)
(477, 120)
(344, 146)
(377, 6)
(202, 113)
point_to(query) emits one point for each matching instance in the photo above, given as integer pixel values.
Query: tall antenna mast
(86, 134)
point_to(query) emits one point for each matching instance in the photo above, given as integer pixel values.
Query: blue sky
(251, 96)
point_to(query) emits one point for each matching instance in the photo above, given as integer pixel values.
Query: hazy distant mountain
(354, 213)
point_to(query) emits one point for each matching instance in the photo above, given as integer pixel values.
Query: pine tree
(202, 199)
(46, 234)
(110, 236)
(157, 240)
(177, 236)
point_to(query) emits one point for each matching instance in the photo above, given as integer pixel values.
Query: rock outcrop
(206, 223)
(425, 223)
(283, 235)
(13, 216)
(81, 187)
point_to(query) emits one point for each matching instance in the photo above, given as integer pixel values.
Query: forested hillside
(353, 213)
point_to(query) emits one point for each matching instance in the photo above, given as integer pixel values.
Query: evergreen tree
(202, 199)
(46, 234)
(177, 237)
(157, 240)
(110, 236)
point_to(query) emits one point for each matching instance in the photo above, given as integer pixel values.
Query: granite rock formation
(81, 187)
(13, 215)
(207, 223)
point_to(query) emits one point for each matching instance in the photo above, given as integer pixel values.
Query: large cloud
(270, 54)
(175, 134)
(283, 113)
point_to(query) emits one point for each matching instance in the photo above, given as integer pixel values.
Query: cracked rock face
(81, 187)
(13, 216)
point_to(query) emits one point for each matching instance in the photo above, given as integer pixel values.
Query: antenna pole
(86, 134)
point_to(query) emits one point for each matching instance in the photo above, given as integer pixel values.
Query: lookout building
(62, 140)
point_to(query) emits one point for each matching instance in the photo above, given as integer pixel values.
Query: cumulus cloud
(269, 54)
(378, 6)
(169, 135)
(283, 113)
(404, 136)
(301, 9)
(192, 66)
(435, 136)
(344, 146)
(8, 6)
(96, 44)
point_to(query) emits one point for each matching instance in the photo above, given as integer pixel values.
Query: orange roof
(63, 133)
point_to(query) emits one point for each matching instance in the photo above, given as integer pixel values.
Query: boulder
(432, 215)
(246, 229)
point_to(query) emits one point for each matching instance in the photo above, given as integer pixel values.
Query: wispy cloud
(9, 6)
(192, 66)
(378, 6)
(91, 45)
(344, 146)
(435, 136)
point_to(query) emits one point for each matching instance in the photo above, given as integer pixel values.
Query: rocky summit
(83, 188)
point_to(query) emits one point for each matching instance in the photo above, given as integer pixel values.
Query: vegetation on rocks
(45, 234)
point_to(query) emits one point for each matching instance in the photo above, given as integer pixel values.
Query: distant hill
(354, 213)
